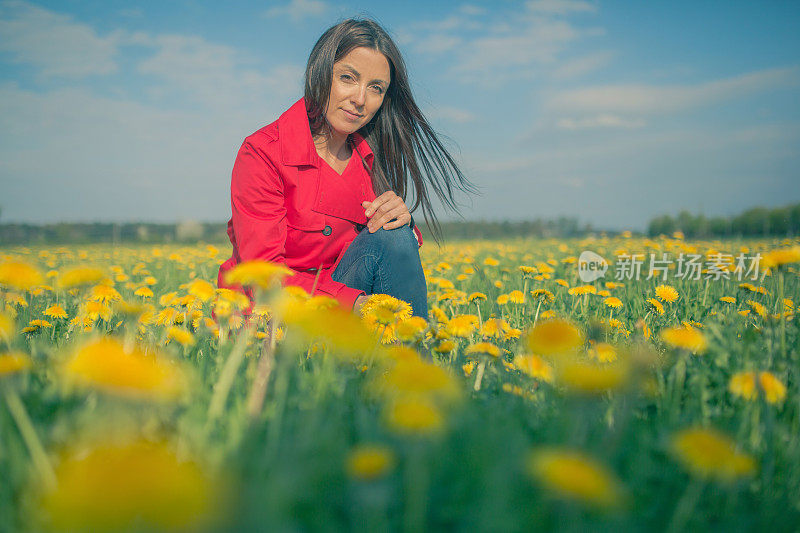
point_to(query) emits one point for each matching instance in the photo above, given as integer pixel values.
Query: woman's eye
(378, 89)
(345, 77)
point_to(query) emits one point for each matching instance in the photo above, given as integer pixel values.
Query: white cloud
(580, 66)
(499, 45)
(298, 10)
(654, 99)
(598, 121)
(53, 42)
(560, 7)
(437, 44)
(450, 114)
(214, 74)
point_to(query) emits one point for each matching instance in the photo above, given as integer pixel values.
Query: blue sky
(612, 112)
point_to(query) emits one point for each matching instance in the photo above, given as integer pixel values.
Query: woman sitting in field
(340, 223)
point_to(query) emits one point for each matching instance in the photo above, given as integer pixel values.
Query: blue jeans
(386, 262)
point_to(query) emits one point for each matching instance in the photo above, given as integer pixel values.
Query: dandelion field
(135, 396)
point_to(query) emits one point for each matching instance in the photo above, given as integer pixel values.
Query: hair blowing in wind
(404, 144)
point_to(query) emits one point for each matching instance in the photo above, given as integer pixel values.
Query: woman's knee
(395, 242)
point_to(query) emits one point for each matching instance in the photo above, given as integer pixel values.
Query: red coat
(283, 212)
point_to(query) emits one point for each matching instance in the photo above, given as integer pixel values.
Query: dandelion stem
(479, 375)
(28, 432)
(781, 310)
(255, 400)
(416, 490)
(685, 506)
(228, 374)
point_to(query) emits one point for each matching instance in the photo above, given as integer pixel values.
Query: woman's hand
(387, 211)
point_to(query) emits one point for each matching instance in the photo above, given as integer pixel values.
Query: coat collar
(297, 146)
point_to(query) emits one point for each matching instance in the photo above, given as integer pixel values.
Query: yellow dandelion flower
(261, 274)
(201, 289)
(575, 476)
(758, 308)
(583, 289)
(415, 377)
(130, 486)
(744, 312)
(469, 367)
(603, 352)
(491, 261)
(562, 282)
(150, 280)
(446, 346)
(604, 293)
(35, 325)
(655, 305)
(554, 337)
(105, 364)
(666, 293)
(708, 453)
(498, 284)
(55, 311)
(516, 297)
(235, 298)
(15, 298)
(410, 329)
(483, 348)
(502, 299)
(780, 257)
(512, 333)
(75, 277)
(462, 325)
(339, 329)
(495, 327)
(19, 275)
(591, 378)
(728, 299)
(167, 299)
(774, 389)
(385, 309)
(476, 296)
(613, 302)
(368, 462)
(525, 269)
(12, 362)
(685, 338)
(144, 292)
(543, 294)
(415, 416)
(439, 315)
(104, 294)
(534, 366)
(7, 327)
(181, 336)
(743, 384)
(96, 310)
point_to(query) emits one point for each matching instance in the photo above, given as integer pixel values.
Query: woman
(322, 189)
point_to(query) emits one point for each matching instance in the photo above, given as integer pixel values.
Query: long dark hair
(403, 143)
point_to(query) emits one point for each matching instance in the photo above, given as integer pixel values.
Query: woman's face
(360, 81)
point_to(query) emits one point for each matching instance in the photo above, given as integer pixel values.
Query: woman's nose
(359, 96)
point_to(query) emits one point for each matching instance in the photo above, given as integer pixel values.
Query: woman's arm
(259, 221)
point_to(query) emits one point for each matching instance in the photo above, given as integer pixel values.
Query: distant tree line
(783, 221)
(756, 222)
(106, 232)
(482, 229)
(189, 232)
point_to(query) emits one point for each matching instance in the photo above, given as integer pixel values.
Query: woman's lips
(350, 115)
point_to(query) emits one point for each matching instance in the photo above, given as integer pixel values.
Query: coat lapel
(335, 196)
